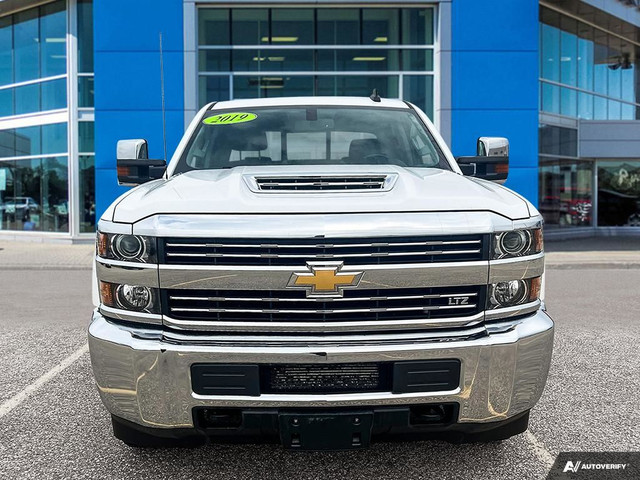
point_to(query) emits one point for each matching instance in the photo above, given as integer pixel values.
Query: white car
(320, 271)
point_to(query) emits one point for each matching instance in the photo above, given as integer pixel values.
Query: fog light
(506, 294)
(132, 297)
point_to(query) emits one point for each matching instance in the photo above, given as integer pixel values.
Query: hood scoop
(321, 183)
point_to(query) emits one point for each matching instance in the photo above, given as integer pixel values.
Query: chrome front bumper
(146, 380)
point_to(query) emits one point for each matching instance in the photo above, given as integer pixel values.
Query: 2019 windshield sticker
(230, 118)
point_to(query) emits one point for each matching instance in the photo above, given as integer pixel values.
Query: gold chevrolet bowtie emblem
(324, 279)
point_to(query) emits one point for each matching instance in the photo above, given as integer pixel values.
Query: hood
(228, 191)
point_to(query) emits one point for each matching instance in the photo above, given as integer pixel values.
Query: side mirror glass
(491, 161)
(134, 165)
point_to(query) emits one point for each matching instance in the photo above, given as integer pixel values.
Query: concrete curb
(45, 267)
(592, 265)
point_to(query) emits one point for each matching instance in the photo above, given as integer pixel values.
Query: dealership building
(559, 78)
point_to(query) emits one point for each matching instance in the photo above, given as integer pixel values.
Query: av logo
(572, 467)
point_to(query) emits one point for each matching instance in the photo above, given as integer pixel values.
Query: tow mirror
(134, 165)
(491, 161)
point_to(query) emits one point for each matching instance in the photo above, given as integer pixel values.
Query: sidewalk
(598, 252)
(45, 256)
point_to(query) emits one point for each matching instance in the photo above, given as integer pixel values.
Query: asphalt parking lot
(56, 426)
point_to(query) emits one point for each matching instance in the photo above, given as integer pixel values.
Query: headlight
(135, 298)
(517, 243)
(514, 292)
(131, 248)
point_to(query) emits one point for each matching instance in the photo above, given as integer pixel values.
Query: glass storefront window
(554, 140)
(6, 56)
(86, 137)
(338, 26)
(291, 26)
(34, 195)
(357, 85)
(250, 26)
(619, 193)
(586, 60)
(85, 92)
(25, 45)
(417, 90)
(53, 42)
(87, 194)
(53, 94)
(417, 26)
(224, 72)
(213, 26)
(565, 192)
(380, 26)
(85, 36)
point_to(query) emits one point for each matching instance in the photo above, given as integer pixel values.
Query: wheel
(138, 436)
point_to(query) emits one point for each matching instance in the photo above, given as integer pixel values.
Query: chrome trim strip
(227, 277)
(517, 268)
(323, 255)
(327, 245)
(301, 327)
(130, 316)
(322, 311)
(322, 299)
(512, 311)
(115, 271)
(285, 340)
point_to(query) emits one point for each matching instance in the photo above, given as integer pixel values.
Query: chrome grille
(296, 252)
(321, 183)
(294, 306)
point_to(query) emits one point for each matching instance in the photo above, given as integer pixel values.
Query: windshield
(310, 136)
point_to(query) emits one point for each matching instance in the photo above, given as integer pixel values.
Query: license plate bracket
(326, 430)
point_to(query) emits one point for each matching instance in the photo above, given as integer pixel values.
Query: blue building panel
(494, 71)
(127, 82)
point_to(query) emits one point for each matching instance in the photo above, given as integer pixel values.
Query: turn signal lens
(535, 289)
(106, 294)
(102, 244)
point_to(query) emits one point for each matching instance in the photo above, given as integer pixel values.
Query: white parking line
(540, 450)
(30, 389)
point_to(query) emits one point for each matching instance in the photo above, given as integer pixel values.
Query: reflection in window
(213, 26)
(87, 195)
(86, 137)
(25, 45)
(380, 26)
(418, 89)
(6, 58)
(53, 43)
(338, 26)
(619, 194)
(35, 195)
(292, 26)
(565, 193)
(85, 36)
(250, 26)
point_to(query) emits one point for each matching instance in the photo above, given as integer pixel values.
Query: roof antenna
(164, 118)
(374, 96)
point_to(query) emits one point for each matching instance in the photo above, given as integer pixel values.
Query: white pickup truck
(320, 272)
